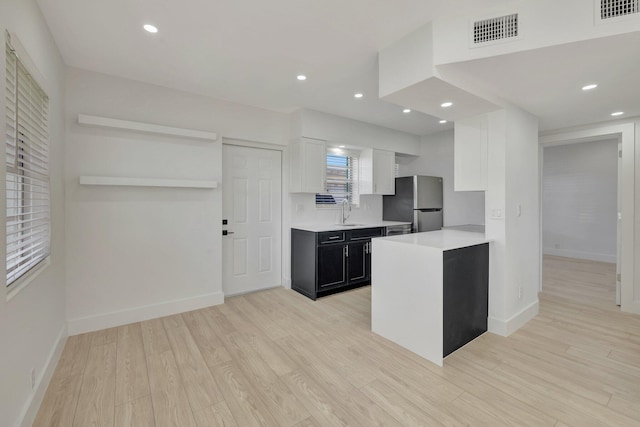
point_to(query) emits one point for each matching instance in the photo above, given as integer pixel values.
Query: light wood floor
(276, 358)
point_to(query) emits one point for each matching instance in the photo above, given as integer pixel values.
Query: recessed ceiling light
(406, 110)
(443, 122)
(341, 146)
(446, 104)
(150, 28)
(301, 77)
(617, 113)
(358, 95)
(590, 87)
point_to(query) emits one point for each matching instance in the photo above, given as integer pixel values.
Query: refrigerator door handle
(430, 210)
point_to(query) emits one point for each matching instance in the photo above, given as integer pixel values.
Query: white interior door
(252, 194)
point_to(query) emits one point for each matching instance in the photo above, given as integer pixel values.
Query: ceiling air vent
(492, 29)
(615, 8)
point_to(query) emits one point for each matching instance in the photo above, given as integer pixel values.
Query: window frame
(30, 169)
(352, 180)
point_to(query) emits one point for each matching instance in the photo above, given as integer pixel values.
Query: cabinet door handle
(366, 248)
(346, 251)
(334, 237)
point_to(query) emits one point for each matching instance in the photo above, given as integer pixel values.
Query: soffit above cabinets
(428, 96)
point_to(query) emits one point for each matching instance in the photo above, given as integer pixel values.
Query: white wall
(579, 215)
(495, 227)
(630, 256)
(32, 324)
(328, 127)
(513, 192)
(304, 210)
(522, 217)
(436, 159)
(406, 62)
(137, 253)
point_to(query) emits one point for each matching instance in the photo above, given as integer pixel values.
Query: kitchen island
(429, 291)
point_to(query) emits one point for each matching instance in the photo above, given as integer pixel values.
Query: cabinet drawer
(366, 233)
(327, 237)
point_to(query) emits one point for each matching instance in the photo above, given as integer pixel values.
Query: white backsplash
(304, 211)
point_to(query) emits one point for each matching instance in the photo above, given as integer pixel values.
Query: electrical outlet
(33, 378)
(520, 293)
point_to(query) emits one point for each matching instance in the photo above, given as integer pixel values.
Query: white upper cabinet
(470, 153)
(308, 166)
(377, 172)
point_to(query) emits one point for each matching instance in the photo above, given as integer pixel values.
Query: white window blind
(27, 177)
(341, 182)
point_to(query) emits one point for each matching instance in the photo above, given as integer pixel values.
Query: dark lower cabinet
(465, 295)
(332, 266)
(359, 260)
(333, 261)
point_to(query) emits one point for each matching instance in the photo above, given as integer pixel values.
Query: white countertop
(333, 227)
(441, 239)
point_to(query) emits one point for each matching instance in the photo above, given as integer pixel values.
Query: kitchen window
(341, 181)
(28, 218)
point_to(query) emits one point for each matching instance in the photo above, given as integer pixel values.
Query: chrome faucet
(345, 202)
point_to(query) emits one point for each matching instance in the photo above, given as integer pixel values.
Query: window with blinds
(341, 181)
(27, 177)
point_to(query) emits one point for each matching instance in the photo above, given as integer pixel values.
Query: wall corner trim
(507, 327)
(32, 406)
(139, 314)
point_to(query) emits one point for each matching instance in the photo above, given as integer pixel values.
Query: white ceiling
(547, 82)
(250, 51)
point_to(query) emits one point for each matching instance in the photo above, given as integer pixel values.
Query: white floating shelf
(85, 119)
(146, 182)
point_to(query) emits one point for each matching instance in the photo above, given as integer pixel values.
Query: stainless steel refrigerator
(418, 200)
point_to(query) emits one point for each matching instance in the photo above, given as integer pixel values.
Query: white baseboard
(507, 327)
(286, 282)
(569, 253)
(138, 314)
(30, 411)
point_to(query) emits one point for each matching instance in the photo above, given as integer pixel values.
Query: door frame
(285, 247)
(625, 133)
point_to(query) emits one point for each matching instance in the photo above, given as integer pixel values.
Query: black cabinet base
(332, 291)
(328, 262)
